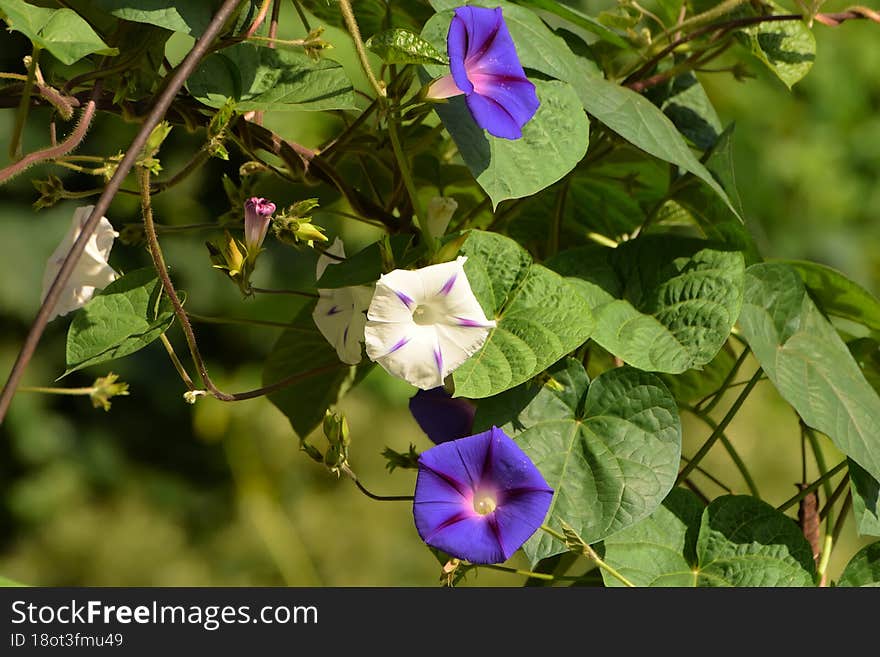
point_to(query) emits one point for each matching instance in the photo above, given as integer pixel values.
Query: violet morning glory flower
(422, 324)
(479, 498)
(441, 416)
(486, 69)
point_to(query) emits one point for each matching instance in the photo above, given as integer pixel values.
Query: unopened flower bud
(439, 213)
(336, 429)
(257, 217)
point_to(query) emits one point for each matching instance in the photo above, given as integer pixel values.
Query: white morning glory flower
(339, 313)
(92, 272)
(423, 324)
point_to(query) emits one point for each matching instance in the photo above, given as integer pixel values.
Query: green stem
(354, 31)
(531, 573)
(181, 370)
(409, 183)
(818, 455)
(381, 498)
(591, 554)
(716, 396)
(24, 106)
(809, 489)
(828, 510)
(58, 391)
(719, 429)
(728, 446)
(296, 293)
(558, 217)
(204, 319)
(707, 16)
(710, 476)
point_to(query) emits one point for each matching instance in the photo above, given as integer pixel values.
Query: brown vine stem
(163, 102)
(832, 20)
(73, 140)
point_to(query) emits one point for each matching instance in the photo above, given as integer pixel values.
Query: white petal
(389, 304)
(91, 273)
(458, 343)
(337, 249)
(341, 323)
(407, 352)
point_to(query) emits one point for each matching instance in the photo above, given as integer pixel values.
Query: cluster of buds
(337, 434)
(105, 388)
(294, 225)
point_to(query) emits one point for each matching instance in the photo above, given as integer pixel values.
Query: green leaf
(270, 79)
(640, 122)
(60, 31)
(399, 46)
(788, 48)
(610, 449)
(661, 303)
(863, 569)
(187, 17)
(365, 266)
(712, 215)
(688, 107)
(660, 550)
(809, 363)
(837, 295)
(736, 541)
(321, 379)
(553, 142)
(577, 18)
(123, 318)
(865, 500)
(694, 384)
(371, 14)
(540, 319)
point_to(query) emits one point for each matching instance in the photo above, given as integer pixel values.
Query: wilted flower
(423, 324)
(339, 313)
(486, 69)
(441, 416)
(92, 272)
(257, 217)
(479, 498)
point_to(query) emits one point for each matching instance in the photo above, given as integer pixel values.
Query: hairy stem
(163, 102)
(24, 105)
(354, 31)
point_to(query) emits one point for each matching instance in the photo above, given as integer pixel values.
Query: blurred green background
(157, 492)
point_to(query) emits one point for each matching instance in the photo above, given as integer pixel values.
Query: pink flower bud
(257, 217)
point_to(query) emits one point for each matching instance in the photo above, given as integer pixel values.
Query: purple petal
(456, 49)
(400, 344)
(441, 416)
(471, 323)
(492, 117)
(470, 537)
(438, 359)
(515, 95)
(519, 516)
(510, 468)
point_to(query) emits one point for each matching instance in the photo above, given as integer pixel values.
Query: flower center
(425, 315)
(484, 503)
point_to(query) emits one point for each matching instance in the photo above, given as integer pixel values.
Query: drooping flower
(423, 324)
(257, 217)
(485, 68)
(92, 272)
(339, 313)
(479, 498)
(441, 416)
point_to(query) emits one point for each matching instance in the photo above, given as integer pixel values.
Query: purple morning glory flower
(257, 217)
(479, 498)
(485, 68)
(441, 416)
